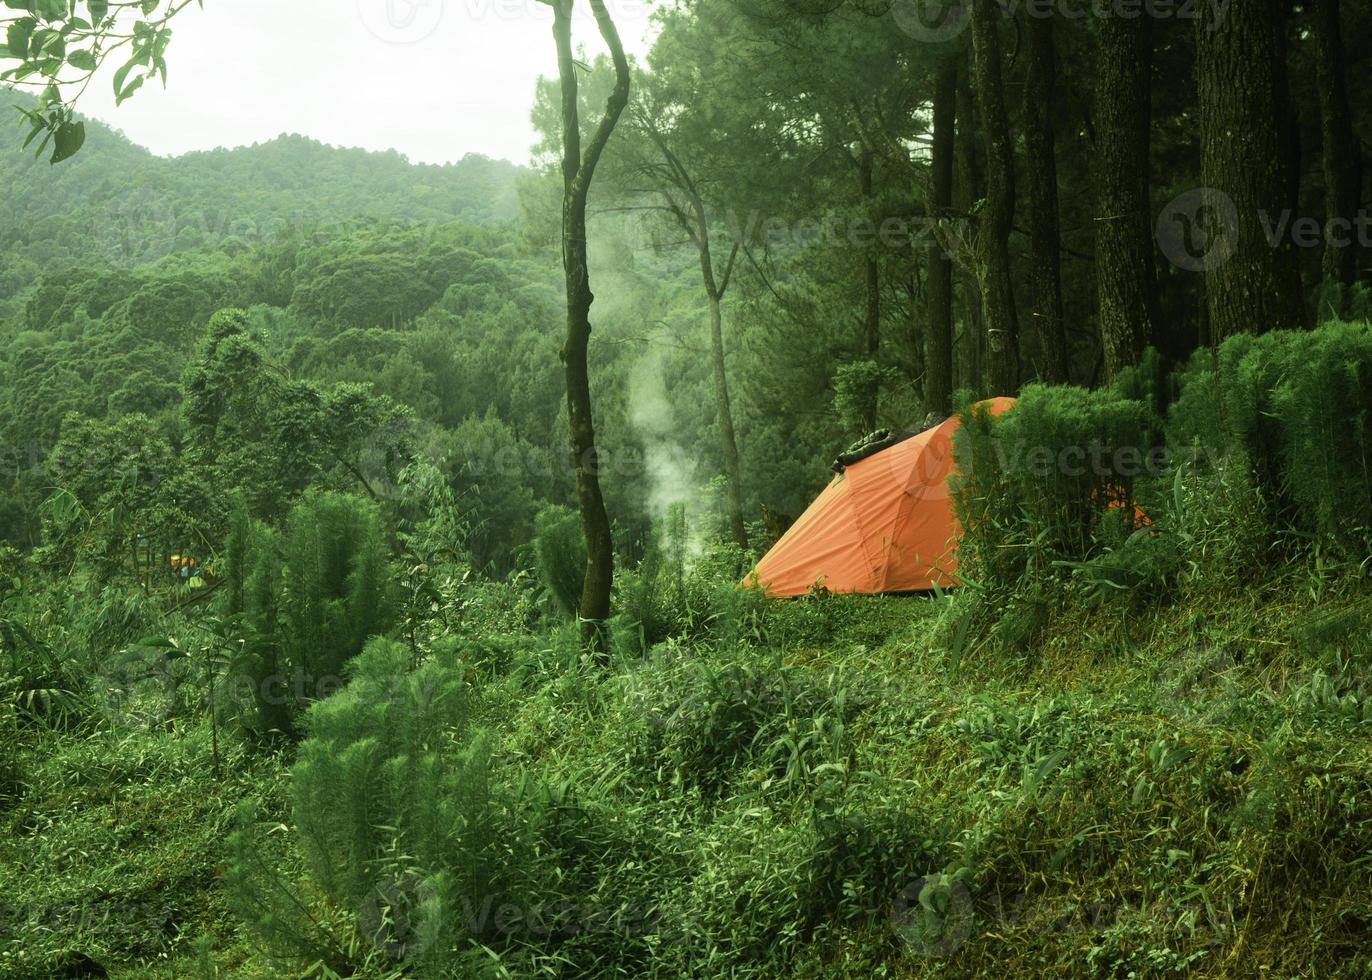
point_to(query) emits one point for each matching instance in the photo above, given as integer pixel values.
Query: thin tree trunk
(968, 189)
(871, 321)
(1125, 275)
(714, 292)
(997, 216)
(1045, 275)
(1342, 167)
(938, 335)
(577, 172)
(696, 224)
(1252, 283)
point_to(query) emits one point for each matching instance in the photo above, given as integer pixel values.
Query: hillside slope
(118, 202)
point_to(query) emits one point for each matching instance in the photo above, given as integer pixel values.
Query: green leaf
(1178, 498)
(82, 59)
(98, 9)
(36, 128)
(149, 6)
(17, 37)
(68, 139)
(121, 74)
(47, 138)
(129, 89)
(48, 42)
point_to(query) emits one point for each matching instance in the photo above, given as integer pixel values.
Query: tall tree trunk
(578, 170)
(1254, 285)
(1045, 275)
(871, 320)
(968, 188)
(1342, 167)
(938, 335)
(997, 216)
(1125, 276)
(714, 293)
(696, 224)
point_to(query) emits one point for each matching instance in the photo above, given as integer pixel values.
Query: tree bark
(968, 188)
(871, 321)
(578, 170)
(938, 335)
(997, 214)
(1045, 276)
(714, 292)
(1125, 275)
(1252, 282)
(696, 224)
(1342, 167)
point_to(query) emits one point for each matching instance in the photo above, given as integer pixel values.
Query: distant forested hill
(118, 203)
(416, 283)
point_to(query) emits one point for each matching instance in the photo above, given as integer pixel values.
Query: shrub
(559, 551)
(703, 721)
(303, 614)
(11, 771)
(398, 817)
(334, 597)
(1037, 482)
(1293, 411)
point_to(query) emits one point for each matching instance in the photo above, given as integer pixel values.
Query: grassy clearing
(113, 853)
(874, 791)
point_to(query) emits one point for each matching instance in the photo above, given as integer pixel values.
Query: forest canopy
(383, 545)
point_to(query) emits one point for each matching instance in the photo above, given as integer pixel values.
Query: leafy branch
(59, 47)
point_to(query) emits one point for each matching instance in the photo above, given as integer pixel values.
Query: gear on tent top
(874, 442)
(885, 522)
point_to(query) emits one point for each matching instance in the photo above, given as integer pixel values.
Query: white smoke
(673, 480)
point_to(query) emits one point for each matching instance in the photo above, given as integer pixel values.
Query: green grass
(114, 851)
(886, 788)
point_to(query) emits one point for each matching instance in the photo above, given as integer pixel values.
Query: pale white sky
(434, 79)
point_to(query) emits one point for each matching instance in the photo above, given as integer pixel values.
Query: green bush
(1037, 482)
(11, 770)
(303, 603)
(702, 721)
(398, 817)
(685, 590)
(1293, 412)
(335, 591)
(559, 552)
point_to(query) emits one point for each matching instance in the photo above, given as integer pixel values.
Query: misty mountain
(118, 203)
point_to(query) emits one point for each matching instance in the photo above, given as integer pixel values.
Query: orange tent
(884, 524)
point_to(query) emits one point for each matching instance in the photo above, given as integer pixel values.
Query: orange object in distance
(884, 524)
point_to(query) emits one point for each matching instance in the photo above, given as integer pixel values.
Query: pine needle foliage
(1293, 412)
(559, 551)
(1037, 482)
(397, 816)
(335, 584)
(304, 601)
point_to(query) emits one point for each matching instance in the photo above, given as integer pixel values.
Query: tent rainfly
(884, 524)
